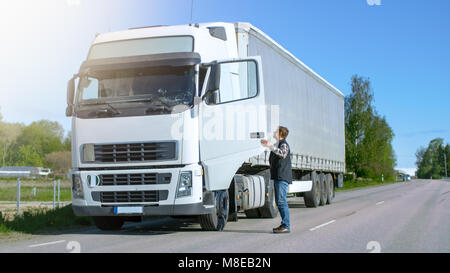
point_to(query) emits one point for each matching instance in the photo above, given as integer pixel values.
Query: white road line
(379, 203)
(49, 243)
(322, 225)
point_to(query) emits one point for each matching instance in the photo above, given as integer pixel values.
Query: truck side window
(238, 81)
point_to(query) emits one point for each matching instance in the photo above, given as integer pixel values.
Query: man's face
(276, 135)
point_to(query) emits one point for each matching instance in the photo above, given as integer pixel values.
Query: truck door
(232, 118)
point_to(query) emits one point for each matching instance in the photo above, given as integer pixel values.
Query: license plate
(128, 210)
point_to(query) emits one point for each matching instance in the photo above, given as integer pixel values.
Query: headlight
(184, 184)
(88, 153)
(77, 187)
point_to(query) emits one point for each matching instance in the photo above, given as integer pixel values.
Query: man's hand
(266, 143)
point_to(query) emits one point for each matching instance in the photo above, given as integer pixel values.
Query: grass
(36, 220)
(361, 184)
(44, 190)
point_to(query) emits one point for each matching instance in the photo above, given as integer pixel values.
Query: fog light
(77, 187)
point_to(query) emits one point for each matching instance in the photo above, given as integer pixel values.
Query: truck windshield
(169, 86)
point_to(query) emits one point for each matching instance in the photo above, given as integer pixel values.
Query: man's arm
(282, 151)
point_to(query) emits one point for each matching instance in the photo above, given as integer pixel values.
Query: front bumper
(167, 204)
(166, 210)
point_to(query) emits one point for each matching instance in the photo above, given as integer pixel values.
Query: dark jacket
(281, 168)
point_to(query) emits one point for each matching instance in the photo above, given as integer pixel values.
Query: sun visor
(142, 61)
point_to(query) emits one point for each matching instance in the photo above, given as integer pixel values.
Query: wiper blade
(105, 111)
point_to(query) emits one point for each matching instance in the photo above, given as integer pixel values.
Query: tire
(108, 222)
(217, 220)
(269, 210)
(312, 197)
(252, 213)
(323, 190)
(330, 188)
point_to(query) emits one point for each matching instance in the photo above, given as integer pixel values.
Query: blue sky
(402, 46)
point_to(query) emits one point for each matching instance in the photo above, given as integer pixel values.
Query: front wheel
(217, 220)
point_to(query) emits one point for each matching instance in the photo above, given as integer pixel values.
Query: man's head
(280, 133)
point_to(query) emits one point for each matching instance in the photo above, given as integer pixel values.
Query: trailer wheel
(270, 209)
(330, 188)
(312, 197)
(217, 220)
(323, 189)
(108, 222)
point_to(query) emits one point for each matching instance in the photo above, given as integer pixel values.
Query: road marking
(49, 243)
(379, 203)
(322, 225)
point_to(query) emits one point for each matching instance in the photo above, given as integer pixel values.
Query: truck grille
(130, 196)
(134, 179)
(135, 152)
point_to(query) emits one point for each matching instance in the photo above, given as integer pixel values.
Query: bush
(40, 219)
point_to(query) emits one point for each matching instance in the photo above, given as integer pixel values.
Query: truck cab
(149, 137)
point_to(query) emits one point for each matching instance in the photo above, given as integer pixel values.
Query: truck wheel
(252, 213)
(108, 222)
(323, 189)
(270, 209)
(217, 220)
(330, 188)
(312, 197)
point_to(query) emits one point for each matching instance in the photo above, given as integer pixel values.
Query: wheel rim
(331, 188)
(317, 193)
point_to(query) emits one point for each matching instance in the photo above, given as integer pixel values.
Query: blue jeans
(281, 189)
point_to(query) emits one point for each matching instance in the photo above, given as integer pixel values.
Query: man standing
(281, 173)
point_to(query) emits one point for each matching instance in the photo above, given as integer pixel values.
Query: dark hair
(283, 131)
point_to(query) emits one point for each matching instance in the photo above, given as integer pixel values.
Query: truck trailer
(167, 120)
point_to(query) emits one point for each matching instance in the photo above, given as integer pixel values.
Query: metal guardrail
(56, 194)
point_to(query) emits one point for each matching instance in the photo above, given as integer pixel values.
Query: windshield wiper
(100, 111)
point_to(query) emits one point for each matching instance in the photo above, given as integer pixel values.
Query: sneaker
(280, 226)
(281, 229)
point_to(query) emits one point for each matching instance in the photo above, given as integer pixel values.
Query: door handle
(256, 134)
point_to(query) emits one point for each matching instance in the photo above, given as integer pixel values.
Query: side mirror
(211, 96)
(70, 91)
(69, 110)
(70, 96)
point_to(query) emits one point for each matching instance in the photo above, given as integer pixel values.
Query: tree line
(368, 136)
(42, 143)
(432, 161)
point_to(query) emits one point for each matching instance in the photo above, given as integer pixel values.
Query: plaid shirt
(281, 151)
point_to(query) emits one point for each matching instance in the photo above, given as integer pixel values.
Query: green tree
(8, 135)
(26, 155)
(368, 136)
(431, 161)
(45, 136)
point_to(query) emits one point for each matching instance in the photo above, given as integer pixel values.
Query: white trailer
(167, 120)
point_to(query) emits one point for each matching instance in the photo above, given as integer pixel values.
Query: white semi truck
(167, 120)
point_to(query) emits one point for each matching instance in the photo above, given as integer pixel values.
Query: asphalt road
(402, 217)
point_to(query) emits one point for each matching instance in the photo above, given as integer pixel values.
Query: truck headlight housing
(77, 187)
(184, 184)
